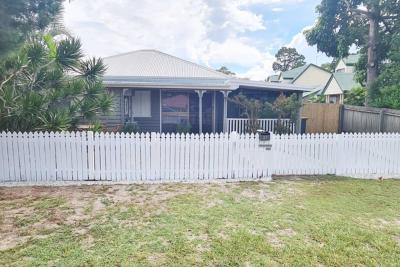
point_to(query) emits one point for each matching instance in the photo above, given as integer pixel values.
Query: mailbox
(264, 139)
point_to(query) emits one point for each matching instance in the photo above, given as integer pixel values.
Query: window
(175, 110)
(141, 104)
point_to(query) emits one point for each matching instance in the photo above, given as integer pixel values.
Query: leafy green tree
(226, 71)
(368, 24)
(387, 87)
(288, 58)
(252, 109)
(20, 18)
(330, 66)
(48, 85)
(285, 107)
(356, 96)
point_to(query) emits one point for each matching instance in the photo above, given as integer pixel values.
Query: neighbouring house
(163, 93)
(322, 82)
(338, 84)
(347, 64)
(310, 76)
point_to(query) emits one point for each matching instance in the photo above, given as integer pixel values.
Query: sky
(243, 35)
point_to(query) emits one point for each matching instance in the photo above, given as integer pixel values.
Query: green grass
(306, 222)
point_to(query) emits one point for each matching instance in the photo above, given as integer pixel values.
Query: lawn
(322, 221)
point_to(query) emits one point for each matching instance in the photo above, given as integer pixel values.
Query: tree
(285, 107)
(19, 18)
(355, 97)
(226, 71)
(368, 24)
(288, 58)
(252, 109)
(387, 86)
(330, 66)
(48, 85)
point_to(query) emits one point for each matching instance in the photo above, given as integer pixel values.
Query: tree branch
(356, 10)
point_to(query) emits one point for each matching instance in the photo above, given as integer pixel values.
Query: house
(163, 93)
(309, 75)
(338, 84)
(347, 64)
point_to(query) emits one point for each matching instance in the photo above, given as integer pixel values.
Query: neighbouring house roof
(293, 73)
(345, 81)
(155, 69)
(315, 91)
(242, 83)
(273, 78)
(351, 60)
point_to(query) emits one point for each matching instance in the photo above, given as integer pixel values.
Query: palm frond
(69, 53)
(92, 69)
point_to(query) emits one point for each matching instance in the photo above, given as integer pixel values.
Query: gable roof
(153, 63)
(351, 60)
(295, 73)
(345, 81)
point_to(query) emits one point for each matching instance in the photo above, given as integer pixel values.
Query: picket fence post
(90, 153)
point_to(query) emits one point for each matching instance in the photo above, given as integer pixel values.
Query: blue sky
(243, 35)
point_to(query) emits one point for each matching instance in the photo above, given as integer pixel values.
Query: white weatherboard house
(163, 93)
(339, 83)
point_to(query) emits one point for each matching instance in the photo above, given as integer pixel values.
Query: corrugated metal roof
(155, 69)
(293, 73)
(345, 80)
(269, 85)
(153, 63)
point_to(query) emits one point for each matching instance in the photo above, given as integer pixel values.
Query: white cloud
(277, 9)
(205, 31)
(310, 52)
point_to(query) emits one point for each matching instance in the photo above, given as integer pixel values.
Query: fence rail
(80, 156)
(241, 125)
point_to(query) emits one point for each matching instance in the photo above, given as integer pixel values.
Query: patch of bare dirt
(156, 259)
(275, 238)
(11, 240)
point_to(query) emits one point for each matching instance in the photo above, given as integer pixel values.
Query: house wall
(342, 67)
(313, 77)
(333, 88)
(114, 118)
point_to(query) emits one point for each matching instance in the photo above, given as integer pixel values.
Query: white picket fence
(80, 156)
(241, 125)
(77, 156)
(356, 155)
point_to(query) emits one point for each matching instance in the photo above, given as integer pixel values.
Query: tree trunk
(372, 67)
